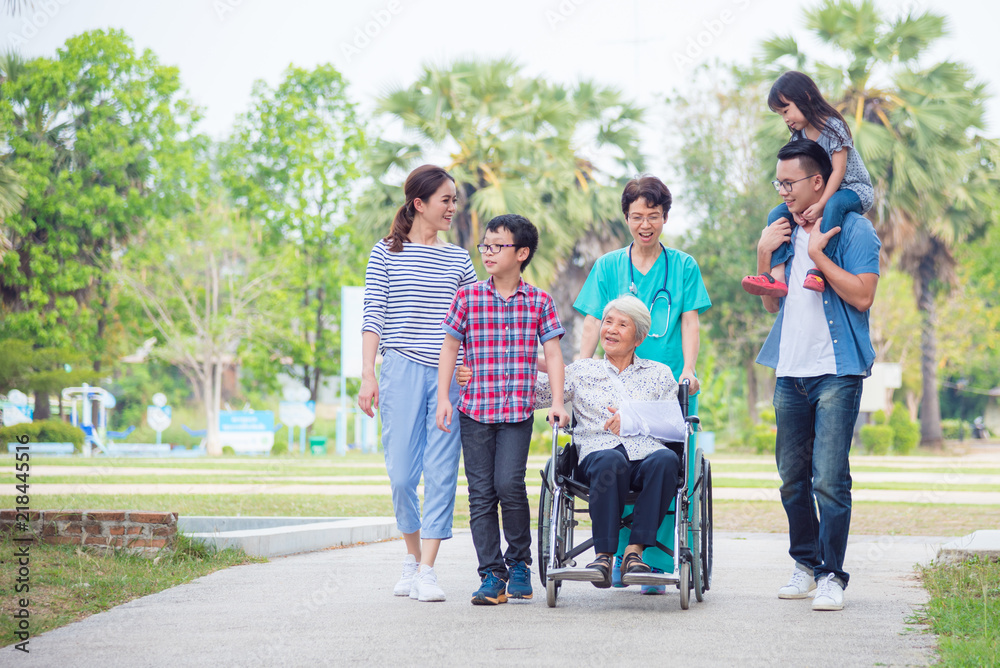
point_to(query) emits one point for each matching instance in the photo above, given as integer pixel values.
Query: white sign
(352, 306)
(160, 399)
(296, 392)
(158, 417)
(14, 414)
(875, 388)
(17, 397)
(297, 414)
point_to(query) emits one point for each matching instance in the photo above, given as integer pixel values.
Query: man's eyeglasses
(654, 219)
(493, 248)
(787, 185)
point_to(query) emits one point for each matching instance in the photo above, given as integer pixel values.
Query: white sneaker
(799, 585)
(404, 586)
(425, 587)
(829, 594)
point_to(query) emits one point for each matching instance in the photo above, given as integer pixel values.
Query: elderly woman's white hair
(633, 309)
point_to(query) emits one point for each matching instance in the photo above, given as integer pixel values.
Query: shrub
(877, 438)
(767, 415)
(878, 417)
(279, 448)
(43, 431)
(228, 450)
(762, 439)
(905, 432)
(954, 429)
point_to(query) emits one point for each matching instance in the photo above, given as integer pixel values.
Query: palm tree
(515, 144)
(917, 128)
(11, 188)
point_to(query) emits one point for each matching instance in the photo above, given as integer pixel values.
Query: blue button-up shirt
(858, 253)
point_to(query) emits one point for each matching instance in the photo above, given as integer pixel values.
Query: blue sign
(244, 421)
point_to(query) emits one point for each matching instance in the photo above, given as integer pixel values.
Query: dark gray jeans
(496, 456)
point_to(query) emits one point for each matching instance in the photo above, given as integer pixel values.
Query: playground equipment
(84, 418)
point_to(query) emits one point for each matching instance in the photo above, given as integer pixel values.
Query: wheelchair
(686, 550)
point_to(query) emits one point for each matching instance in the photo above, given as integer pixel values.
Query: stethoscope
(662, 293)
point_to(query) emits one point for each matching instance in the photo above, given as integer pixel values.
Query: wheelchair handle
(682, 395)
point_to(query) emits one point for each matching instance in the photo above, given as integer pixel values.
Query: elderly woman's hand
(614, 423)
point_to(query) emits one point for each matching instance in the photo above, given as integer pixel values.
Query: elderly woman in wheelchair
(616, 434)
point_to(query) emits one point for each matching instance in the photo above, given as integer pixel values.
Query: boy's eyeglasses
(493, 248)
(787, 185)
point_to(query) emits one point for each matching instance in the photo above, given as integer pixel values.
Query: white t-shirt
(806, 348)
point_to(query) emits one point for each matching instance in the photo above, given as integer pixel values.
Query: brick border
(135, 531)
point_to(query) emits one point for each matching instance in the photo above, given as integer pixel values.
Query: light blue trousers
(414, 445)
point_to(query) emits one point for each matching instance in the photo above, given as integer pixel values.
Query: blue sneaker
(616, 573)
(653, 589)
(520, 581)
(493, 591)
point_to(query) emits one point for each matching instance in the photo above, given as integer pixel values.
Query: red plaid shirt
(501, 338)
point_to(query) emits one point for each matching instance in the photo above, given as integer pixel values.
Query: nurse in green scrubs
(667, 280)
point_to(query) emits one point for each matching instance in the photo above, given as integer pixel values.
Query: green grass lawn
(68, 583)
(964, 611)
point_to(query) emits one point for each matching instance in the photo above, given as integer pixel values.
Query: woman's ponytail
(421, 184)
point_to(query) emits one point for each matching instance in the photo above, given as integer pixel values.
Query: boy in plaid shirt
(501, 321)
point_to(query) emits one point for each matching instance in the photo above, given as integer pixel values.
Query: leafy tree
(42, 371)
(515, 144)
(726, 174)
(206, 289)
(918, 130)
(88, 133)
(291, 162)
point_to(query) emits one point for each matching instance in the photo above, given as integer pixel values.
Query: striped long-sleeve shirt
(407, 295)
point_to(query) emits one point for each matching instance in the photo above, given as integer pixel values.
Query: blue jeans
(496, 456)
(815, 418)
(414, 446)
(836, 208)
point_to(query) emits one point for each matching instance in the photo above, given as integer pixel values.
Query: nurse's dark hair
(649, 188)
(813, 158)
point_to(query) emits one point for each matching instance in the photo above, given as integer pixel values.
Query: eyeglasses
(493, 248)
(787, 185)
(654, 219)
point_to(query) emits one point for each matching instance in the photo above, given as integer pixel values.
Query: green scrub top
(609, 279)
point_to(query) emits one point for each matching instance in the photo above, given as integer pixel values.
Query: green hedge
(762, 439)
(905, 432)
(953, 429)
(877, 438)
(43, 431)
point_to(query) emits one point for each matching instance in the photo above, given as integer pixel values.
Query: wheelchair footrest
(648, 579)
(574, 574)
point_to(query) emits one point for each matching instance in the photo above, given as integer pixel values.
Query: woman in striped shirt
(410, 282)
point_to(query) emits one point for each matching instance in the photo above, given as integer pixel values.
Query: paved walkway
(335, 607)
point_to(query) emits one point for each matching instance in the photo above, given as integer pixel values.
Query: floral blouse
(591, 391)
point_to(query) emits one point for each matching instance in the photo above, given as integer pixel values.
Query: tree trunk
(213, 446)
(42, 409)
(930, 405)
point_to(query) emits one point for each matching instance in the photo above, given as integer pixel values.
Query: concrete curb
(279, 536)
(984, 544)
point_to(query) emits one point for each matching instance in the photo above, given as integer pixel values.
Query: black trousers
(610, 474)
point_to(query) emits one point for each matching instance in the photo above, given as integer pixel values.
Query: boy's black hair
(525, 235)
(799, 88)
(813, 158)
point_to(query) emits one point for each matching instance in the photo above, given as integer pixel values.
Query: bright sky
(646, 47)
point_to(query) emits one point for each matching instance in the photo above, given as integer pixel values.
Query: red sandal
(764, 285)
(815, 281)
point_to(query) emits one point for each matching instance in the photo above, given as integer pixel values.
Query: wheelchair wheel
(544, 531)
(706, 527)
(551, 593)
(685, 584)
(697, 503)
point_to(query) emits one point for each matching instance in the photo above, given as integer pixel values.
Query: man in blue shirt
(821, 349)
